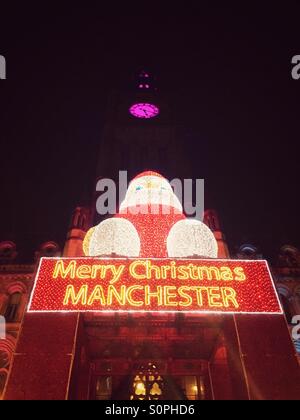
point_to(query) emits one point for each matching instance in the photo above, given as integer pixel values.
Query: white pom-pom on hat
(189, 238)
(115, 236)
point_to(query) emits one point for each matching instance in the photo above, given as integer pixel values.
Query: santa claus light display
(151, 224)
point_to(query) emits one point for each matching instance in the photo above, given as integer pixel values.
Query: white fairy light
(150, 189)
(115, 236)
(87, 240)
(190, 237)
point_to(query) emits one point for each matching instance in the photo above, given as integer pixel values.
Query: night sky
(229, 71)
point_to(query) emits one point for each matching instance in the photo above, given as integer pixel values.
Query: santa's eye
(138, 188)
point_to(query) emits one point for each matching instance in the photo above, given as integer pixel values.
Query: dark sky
(230, 70)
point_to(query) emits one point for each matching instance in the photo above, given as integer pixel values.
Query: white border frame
(213, 312)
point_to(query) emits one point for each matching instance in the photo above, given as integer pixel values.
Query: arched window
(82, 221)
(7, 251)
(213, 223)
(76, 218)
(48, 249)
(289, 257)
(7, 347)
(4, 358)
(193, 387)
(147, 384)
(248, 252)
(79, 219)
(211, 220)
(12, 307)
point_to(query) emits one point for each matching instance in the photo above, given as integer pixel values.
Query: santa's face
(150, 190)
(151, 224)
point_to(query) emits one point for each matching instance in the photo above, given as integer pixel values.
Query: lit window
(193, 387)
(147, 384)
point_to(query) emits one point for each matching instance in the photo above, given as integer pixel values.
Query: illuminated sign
(154, 285)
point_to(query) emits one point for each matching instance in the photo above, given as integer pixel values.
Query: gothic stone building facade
(89, 356)
(118, 349)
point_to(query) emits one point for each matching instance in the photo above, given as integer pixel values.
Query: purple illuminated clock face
(144, 110)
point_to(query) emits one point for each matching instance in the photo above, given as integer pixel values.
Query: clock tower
(140, 133)
(146, 356)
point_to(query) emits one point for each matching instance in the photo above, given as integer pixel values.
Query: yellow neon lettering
(164, 270)
(199, 291)
(120, 297)
(168, 295)
(183, 270)
(150, 269)
(226, 273)
(116, 272)
(214, 297)
(192, 270)
(239, 272)
(182, 293)
(83, 272)
(97, 294)
(157, 295)
(61, 271)
(129, 292)
(73, 298)
(95, 269)
(133, 270)
(173, 270)
(229, 295)
(211, 273)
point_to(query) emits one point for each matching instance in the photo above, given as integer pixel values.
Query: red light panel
(154, 285)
